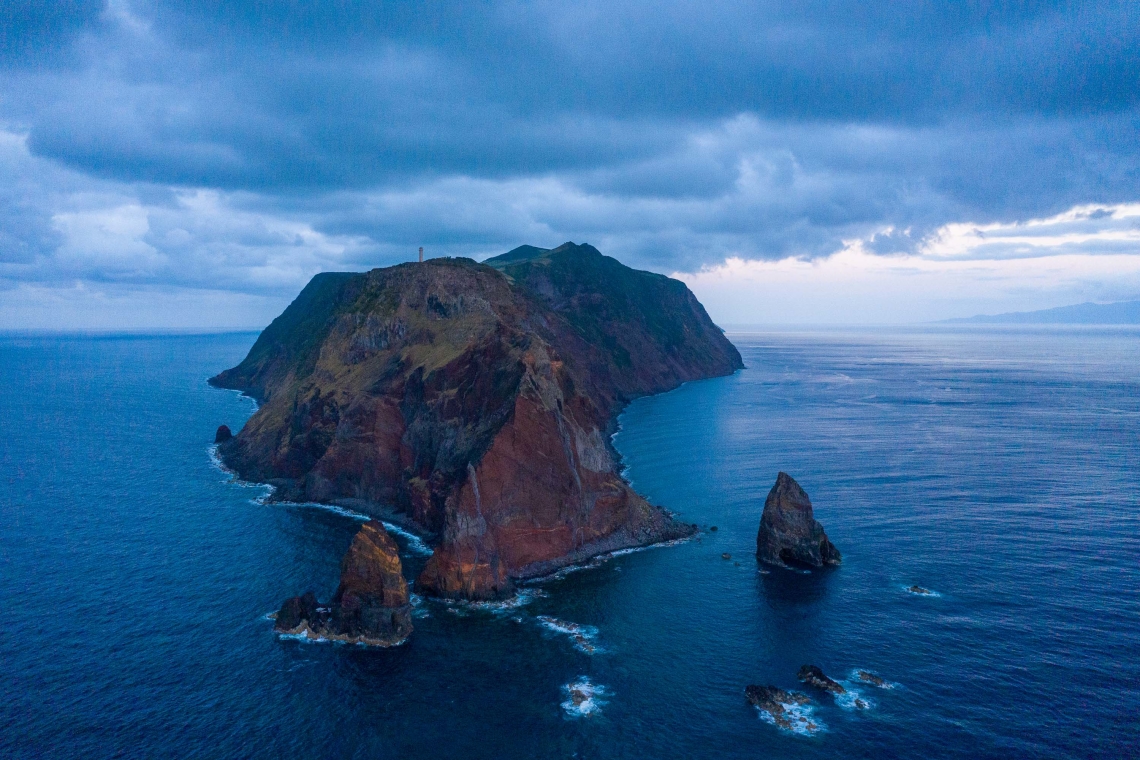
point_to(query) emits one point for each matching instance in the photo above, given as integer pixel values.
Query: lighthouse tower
(421, 254)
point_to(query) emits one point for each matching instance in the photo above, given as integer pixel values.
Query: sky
(190, 165)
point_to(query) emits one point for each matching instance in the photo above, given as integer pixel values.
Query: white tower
(421, 254)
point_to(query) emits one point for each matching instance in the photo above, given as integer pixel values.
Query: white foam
(416, 544)
(854, 678)
(583, 636)
(801, 719)
(216, 460)
(309, 637)
(852, 698)
(600, 559)
(524, 597)
(583, 698)
(337, 510)
(304, 636)
(241, 394)
(233, 479)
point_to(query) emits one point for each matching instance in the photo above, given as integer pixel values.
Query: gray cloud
(244, 146)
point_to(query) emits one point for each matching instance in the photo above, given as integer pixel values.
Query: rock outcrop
(371, 604)
(812, 675)
(776, 703)
(223, 434)
(789, 532)
(868, 677)
(478, 401)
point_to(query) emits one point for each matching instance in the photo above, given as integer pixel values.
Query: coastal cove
(994, 467)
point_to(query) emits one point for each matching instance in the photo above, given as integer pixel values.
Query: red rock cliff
(477, 399)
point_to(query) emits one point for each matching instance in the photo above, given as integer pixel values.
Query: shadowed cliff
(476, 400)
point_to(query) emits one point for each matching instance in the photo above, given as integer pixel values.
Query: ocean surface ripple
(995, 468)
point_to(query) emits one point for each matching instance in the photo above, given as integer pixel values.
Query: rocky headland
(789, 532)
(476, 402)
(371, 604)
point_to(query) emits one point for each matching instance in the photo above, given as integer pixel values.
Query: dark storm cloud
(35, 32)
(672, 134)
(276, 95)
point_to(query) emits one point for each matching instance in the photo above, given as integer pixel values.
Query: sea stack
(788, 530)
(370, 605)
(223, 434)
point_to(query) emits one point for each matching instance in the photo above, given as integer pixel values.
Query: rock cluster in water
(775, 702)
(871, 678)
(788, 530)
(371, 604)
(814, 676)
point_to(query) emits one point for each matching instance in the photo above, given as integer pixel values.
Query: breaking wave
(797, 719)
(416, 544)
(583, 636)
(597, 561)
(583, 698)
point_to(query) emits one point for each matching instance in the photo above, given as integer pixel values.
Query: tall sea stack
(370, 606)
(789, 531)
(476, 400)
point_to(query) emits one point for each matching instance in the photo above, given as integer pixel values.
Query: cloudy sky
(192, 164)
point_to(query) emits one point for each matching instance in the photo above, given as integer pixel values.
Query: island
(475, 402)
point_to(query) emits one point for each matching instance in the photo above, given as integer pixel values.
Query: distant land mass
(1120, 313)
(475, 401)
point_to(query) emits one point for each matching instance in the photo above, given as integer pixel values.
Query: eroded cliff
(477, 400)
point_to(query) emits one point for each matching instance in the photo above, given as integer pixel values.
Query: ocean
(996, 467)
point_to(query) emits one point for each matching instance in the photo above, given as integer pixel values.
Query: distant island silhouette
(1119, 313)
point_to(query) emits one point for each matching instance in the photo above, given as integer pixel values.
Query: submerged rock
(223, 434)
(788, 530)
(871, 678)
(920, 591)
(813, 676)
(370, 606)
(775, 703)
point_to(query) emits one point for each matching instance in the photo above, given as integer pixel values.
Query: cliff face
(477, 399)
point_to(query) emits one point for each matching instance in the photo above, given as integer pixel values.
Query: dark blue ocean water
(998, 468)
